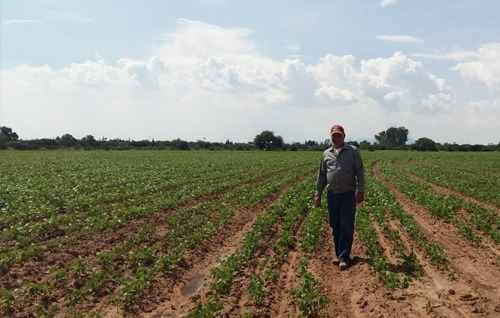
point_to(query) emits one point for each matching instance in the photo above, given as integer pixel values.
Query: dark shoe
(336, 262)
(343, 265)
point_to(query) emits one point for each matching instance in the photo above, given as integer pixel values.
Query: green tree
(311, 143)
(7, 134)
(89, 142)
(266, 140)
(67, 141)
(8, 138)
(364, 145)
(354, 143)
(393, 137)
(180, 144)
(425, 144)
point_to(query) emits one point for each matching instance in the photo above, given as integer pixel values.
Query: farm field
(236, 234)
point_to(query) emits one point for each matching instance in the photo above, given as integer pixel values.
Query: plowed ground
(469, 287)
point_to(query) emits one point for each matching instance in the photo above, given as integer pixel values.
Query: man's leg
(346, 218)
(333, 218)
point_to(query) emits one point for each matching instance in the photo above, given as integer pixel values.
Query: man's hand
(317, 200)
(360, 197)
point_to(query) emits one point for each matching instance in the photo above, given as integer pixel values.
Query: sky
(219, 70)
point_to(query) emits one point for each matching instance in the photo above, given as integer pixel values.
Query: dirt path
(345, 295)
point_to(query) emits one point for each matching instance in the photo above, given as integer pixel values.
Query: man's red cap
(337, 129)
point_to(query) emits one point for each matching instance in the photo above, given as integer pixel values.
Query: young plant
(7, 301)
(257, 289)
(307, 296)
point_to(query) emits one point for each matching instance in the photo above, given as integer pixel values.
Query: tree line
(394, 138)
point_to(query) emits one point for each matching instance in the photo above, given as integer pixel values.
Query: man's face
(338, 140)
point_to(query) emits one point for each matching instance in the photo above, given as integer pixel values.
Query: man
(341, 172)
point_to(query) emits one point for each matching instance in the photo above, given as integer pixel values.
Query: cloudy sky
(220, 70)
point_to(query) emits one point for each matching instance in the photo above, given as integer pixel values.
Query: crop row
(445, 207)
(375, 210)
(284, 216)
(474, 175)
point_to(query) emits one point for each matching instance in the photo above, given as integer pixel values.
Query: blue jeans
(342, 215)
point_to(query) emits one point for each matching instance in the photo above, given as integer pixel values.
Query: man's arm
(360, 177)
(320, 182)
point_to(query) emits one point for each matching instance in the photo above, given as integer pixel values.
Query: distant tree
(117, 144)
(201, 144)
(89, 142)
(393, 137)
(228, 144)
(325, 144)
(179, 144)
(451, 147)
(311, 143)
(46, 143)
(354, 143)
(478, 147)
(465, 147)
(266, 140)
(6, 134)
(140, 143)
(295, 146)
(425, 144)
(364, 145)
(67, 141)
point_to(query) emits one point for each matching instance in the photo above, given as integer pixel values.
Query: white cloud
(399, 82)
(338, 80)
(393, 84)
(15, 21)
(481, 66)
(196, 41)
(456, 54)
(147, 74)
(484, 113)
(399, 38)
(386, 3)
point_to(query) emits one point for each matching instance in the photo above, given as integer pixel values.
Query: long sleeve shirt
(341, 171)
